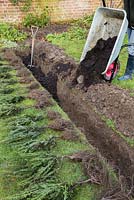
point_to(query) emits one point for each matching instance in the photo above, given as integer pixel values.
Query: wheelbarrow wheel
(108, 74)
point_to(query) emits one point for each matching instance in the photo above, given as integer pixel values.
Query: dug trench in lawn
(57, 72)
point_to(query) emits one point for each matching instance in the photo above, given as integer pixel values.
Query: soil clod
(26, 80)
(41, 98)
(70, 135)
(60, 125)
(33, 85)
(52, 115)
(23, 73)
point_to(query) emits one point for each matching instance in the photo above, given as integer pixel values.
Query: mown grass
(72, 47)
(73, 40)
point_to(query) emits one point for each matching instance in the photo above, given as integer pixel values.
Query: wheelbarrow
(107, 23)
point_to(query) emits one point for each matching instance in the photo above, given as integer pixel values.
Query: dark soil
(95, 62)
(50, 80)
(56, 72)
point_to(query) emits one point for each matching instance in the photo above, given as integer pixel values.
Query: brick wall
(67, 9)
(61, 10)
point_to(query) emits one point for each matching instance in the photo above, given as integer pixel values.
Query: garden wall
(60, 10)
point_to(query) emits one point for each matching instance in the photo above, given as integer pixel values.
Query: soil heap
(95, 62)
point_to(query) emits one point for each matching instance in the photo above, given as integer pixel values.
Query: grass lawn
(73, 47)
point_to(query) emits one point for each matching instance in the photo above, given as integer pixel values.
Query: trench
(56, 76)
(48, 81)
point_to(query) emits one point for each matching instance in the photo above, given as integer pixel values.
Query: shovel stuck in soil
(34, 30)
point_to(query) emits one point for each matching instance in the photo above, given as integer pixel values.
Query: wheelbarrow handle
(104, 3)
(127, 45)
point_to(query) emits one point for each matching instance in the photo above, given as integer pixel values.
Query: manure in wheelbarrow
(95, 62)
